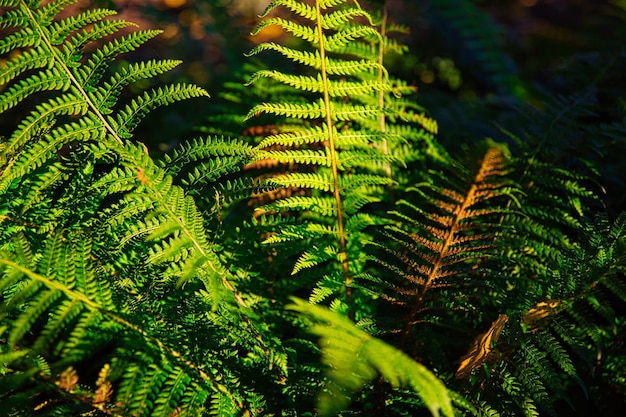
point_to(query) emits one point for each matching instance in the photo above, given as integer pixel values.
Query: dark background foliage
(481, 67)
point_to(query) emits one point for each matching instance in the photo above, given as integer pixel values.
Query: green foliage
(355, 357)
(479, 279)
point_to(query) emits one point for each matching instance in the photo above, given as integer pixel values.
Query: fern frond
(441, 252)
(93, 70)
(337, 136)
(297, 30)
(312, 59)
(95, 234)
(300, 156)
(300, 9)
(318, 181)
(323, 205)
(106, 96)
(136, 110)
(316, 85)
(354, 357)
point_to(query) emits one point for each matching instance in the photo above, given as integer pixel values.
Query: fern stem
(381, 92)
(380, 396)
(343, 254)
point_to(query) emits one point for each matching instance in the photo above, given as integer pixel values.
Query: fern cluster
(482, 282)
(98, 240)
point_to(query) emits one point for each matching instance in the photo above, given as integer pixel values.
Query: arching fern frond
(56, 50)
(96, 235)
(354, 358)
(68, 314)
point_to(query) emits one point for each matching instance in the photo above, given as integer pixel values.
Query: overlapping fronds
(547, 352)
(57, 311)
(344, 153)
(50, 62)
(97, 238)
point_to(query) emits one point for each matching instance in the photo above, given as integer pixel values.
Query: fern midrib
(59, 62)
(381, 92)
(343, 254)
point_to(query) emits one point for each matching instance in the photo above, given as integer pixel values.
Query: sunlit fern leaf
(314, 257)
(95, 229)
(481, 347)
(156, 385)
(354, 358)
(107, 95)
(136, 110)
(311, 59)
(317, 181)
(204, 148)
(299, 156)
(323, 205)
(60, 46)
(289, 233)
(446, 231)
(98, 62)
(221, 406)
(297, 111)
(299, 137)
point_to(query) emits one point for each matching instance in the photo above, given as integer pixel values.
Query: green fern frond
(354, 357)
(323, 205)
(300, 9)
(337, 136)
(297, 111)
(312, 59)
(297, 30)
(314, 257)
(136, 110)
(106, 96)
(95, 234)
(299, 232)
(316, 85)
(95, 68)
(300, 156)
(298, 137)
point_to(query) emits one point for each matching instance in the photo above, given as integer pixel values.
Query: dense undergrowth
(321, 248)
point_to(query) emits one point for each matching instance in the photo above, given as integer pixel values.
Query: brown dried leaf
(481, 348)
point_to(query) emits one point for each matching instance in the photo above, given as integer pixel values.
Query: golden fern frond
(336, 138)
(443, 238)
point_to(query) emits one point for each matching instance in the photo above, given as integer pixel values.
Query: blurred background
(528, 67)
(553, 71)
